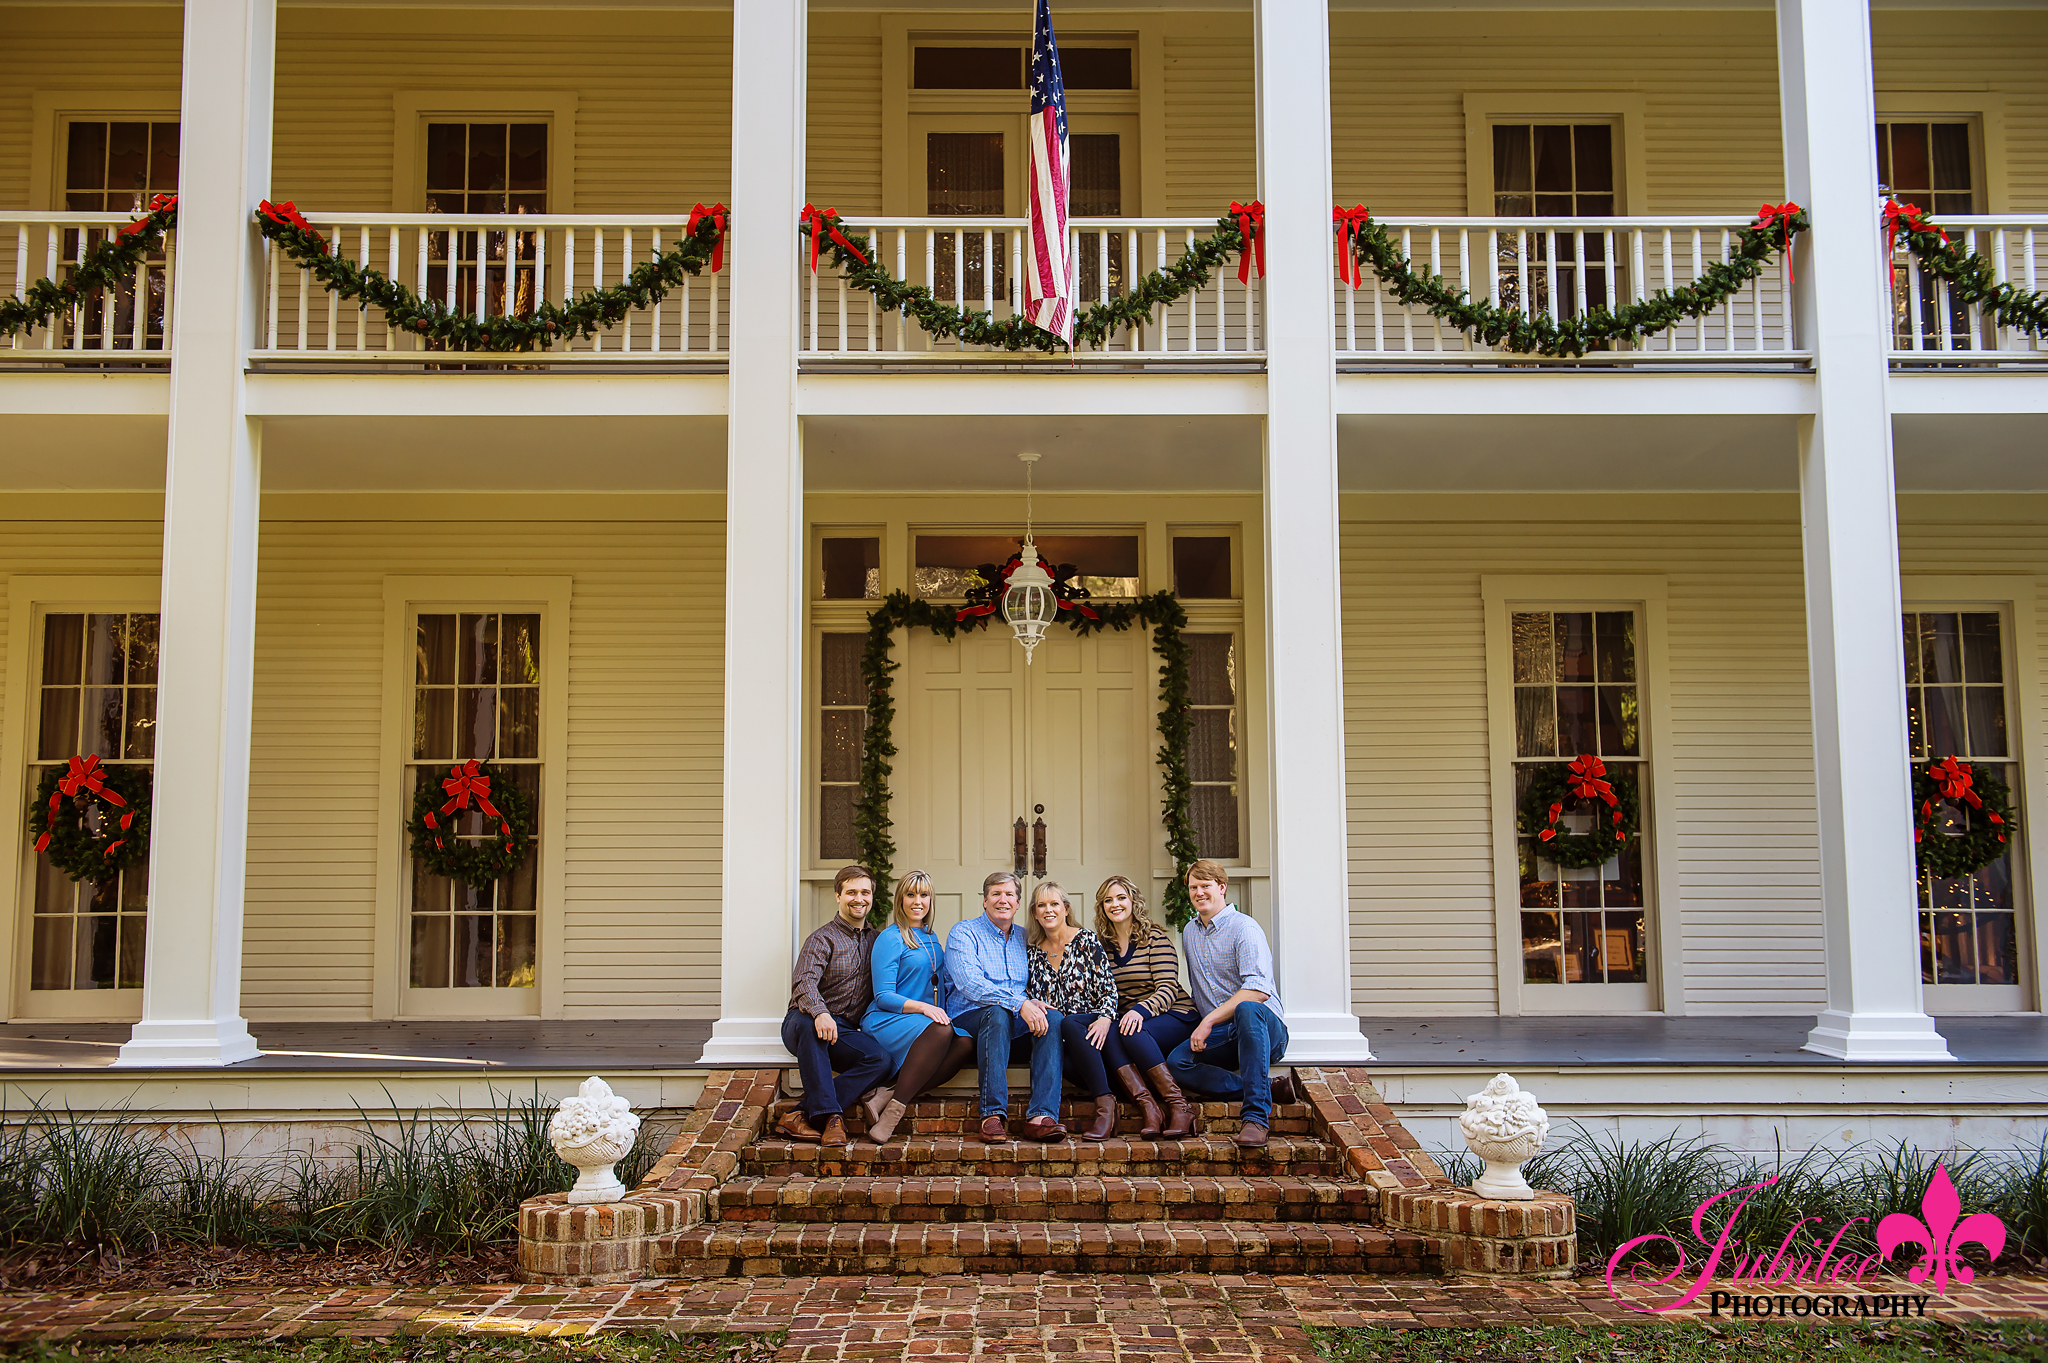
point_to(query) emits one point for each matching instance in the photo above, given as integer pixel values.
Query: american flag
(1049, 273)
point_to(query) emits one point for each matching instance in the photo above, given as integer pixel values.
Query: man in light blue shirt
(986, 974)
(1243, 1031)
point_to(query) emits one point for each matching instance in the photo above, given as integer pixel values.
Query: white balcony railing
(976, 264)
(1931, 326)
(474, 263)
(125, 325)
(1562, 267)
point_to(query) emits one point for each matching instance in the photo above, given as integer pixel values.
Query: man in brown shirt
(828, 993)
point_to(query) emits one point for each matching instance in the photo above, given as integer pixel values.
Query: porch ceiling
(1973, 453)
(83, 453)
(1081, 453)
(1459, 453)
(495, 454)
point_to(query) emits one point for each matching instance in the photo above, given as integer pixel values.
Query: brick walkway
(1021, 1319)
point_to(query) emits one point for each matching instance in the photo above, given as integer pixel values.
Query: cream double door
(1065, 743)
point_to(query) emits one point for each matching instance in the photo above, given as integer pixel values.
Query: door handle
(1037, 847)
(1017, 847)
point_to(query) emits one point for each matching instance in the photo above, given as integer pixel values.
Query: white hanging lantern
(1028, 602)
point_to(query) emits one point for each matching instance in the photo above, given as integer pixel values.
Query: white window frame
(405, 599)
(53, 112)
(1483, 109)
(29, 599)
(413, 110)
(1663, 989)
(2014, 598)
(1984, 112)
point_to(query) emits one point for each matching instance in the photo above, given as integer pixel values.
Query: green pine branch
(1972, 278)
(108, 265)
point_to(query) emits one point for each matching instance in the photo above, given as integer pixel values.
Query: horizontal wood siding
(74, 48)
(1211, 118)
(843, 162)
(2004, 52)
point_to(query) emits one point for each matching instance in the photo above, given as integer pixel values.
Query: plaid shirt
(1225, 955)
(832, 972)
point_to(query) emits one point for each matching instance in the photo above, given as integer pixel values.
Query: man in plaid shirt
(828, 993)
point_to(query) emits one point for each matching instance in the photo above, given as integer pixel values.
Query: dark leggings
(1151, 1045)
(936, 1056)
(1085, 1070)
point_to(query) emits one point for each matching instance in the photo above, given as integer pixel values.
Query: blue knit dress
(902, 975)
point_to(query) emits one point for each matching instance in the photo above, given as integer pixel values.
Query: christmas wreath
(472, 786)
(1947, 856)
(75, 819)
(1557, 790)
(986, 598)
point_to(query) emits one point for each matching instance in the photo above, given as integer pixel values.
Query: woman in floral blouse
(1070, 973)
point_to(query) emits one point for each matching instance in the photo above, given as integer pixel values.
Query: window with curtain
(964, 178)
(1098, 192)
(1554, 170)
(1213, 745)
(1927, 163)
(118, 166)
(842, 719)
(497, 168)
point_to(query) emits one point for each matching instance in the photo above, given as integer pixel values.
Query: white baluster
(20, 276)
(273, 261)
(170, 274)
(1408, 313)
(1465, 273)
(1727, 304)
(597, 276)
(1699, 324)
(1913, 303)
(1436, 267)
(1670, 335)
(902, 316)
(140, 319)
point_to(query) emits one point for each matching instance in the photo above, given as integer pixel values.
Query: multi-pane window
(1927, 164)
(98, 696)
(842, 718)
(1097, 192)
(117, 167)
(964, 177)
(1553, 170)
(477, 693)
(499, 168)
(1955, 698)
(1576, 693)
(1213, 745)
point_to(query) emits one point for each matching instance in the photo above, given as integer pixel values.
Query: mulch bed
(171, 1267)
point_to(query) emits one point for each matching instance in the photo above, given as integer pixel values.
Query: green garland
(64, 830)
(1093, 325)
(108, 265)
(1520, 333)
(406, 311)
(1972, 279)
(1947, 857)
(1162, 611)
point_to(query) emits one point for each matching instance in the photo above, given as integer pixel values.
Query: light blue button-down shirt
(984, 967)
(1227, 954)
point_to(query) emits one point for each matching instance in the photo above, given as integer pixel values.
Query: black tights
(936, 1056)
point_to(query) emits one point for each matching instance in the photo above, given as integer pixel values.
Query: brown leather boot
(1180, 1113)
(1133, 1085)
(1104, 1125)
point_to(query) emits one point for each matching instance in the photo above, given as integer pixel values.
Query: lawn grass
(1686, 1341)
(706, 1347)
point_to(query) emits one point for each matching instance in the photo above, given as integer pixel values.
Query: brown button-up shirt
(832, 972)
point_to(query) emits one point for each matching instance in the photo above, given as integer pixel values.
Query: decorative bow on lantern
(287, 214)
(1783, 215)
(1251, 225)
(1906, 218)
(85, 779)
(460, 784)
(1350, 221)
(717, 215)
(827, 220)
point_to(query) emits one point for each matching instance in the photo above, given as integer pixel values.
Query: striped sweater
(1149, 978)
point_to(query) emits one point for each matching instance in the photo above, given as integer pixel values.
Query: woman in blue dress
(909, 969)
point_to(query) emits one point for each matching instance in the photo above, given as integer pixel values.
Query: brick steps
(724, 1249)
(953, 1156)
(787, 1200)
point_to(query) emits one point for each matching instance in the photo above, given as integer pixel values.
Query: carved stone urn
(592, 1132)
(1504, 1127)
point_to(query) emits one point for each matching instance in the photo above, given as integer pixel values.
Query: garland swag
(1972, 279)
(702, 243)
(1367, 243)
(1162, 611)
(1950, 856)
(108, 265)
(1093, 325)
(471, 786)
(62, 817)
(1556, 789)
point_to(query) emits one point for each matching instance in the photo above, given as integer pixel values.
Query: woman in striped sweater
(1154, 1013)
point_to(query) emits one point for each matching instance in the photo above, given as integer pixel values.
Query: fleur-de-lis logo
(1940, 1234)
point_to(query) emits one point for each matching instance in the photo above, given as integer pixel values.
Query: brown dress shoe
(793, 1125)
(1251, 1136)
(995, 1130)
(1045, 1129)
(835, 1132)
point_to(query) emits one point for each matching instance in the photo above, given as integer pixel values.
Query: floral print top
(1081, 984)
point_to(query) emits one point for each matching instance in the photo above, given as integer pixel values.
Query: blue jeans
(1237, 1061)
(996, 1030)
(836, 1075)
(1152, 1043)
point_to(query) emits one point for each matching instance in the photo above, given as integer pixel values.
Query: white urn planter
(592, 1132)
(1504, 1127)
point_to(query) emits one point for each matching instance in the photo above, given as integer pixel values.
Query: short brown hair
(1206, 869)
(995, 878)
(847, 873)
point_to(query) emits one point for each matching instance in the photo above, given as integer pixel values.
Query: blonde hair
(1142, 925)
(1034, 934)
(900, 915)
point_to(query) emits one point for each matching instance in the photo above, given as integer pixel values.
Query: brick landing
(1020, 1319)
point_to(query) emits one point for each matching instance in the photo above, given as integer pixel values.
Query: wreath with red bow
(1947, 856)
(92, 820)
(1558, 790)
(985, 599)
(472, 788)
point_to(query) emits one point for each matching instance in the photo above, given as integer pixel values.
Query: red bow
(829, 221)
(717, 215)
(85, 777)
(461, 783)
(1585, 779)
(1251, 225)
(1907, 218)
(160, 203)
(1781, 214)
(1350, 221)
(287, 214)
(1955, 781)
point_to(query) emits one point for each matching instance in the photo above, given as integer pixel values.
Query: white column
(1304, 640)
(192, 974)
(764, 526)
(1849, 515)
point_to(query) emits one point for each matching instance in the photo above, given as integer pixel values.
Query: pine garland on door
(92, 820)
(476, 788)
(702, 244)
(108, 265)
(1367, 243)
(1972, 279)
(1559, 789)
(1161, 611)
(1945, 856)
